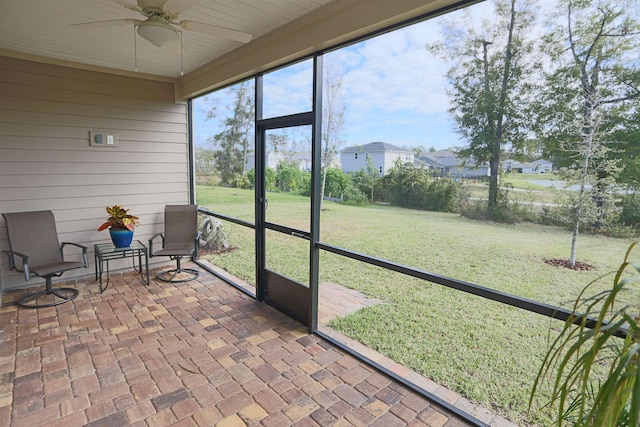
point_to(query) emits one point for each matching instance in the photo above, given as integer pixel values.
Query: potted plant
(120, 224)
(593, 365)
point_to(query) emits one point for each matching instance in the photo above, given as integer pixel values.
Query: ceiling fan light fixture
(159, 34)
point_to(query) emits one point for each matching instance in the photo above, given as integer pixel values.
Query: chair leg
(58, 295)
(170, 275)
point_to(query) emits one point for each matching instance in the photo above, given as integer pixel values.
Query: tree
(490, 84)
(204, 165)
(291, 179)
(366, 179)
(333, 110)
(594, 81)
(289, 143)
(269, 178)
(407, 185)
(276, 142)
(627, 149)
(415, 188)
(204, 160)
(337, 182)
(234, 142)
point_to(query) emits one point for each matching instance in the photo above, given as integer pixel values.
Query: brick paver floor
(199, 353)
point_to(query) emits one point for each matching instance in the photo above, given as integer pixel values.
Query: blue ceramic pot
(121, 238)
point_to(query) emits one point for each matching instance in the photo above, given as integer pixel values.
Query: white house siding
(391, 157)
(273, 160)
(465, 172)
(46, 162)
(354, 161)
(382, 161)
(537, 166)
(542, 166)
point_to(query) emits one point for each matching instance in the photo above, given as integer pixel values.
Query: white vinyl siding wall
(384, 160)
(352, 164)
(46, 162)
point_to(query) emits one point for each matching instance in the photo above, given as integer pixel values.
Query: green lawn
(524, 189)
(486, 351)
(523, 180)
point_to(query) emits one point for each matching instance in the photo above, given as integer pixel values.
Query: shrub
(444, 195)
(629, 210)
(622, 221)
(475, 210)
(243, 182)
(366, 183)
(595, 374)
(270, 178)
(479, 210)
(292, 179)
(336, 183)
(353, 196)
(413, 188)
(206, 179)
(617, 230)
(508, 210)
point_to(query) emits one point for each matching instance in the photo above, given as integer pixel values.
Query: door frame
(303, 304)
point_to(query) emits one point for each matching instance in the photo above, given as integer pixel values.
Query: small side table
(105, 252)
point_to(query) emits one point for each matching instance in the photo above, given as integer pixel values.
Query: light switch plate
(103, 138)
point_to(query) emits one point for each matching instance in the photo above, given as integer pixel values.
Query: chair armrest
(151, 242)
(196, 245)
(25, 263)
(85, 257)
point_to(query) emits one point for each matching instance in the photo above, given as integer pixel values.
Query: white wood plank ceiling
(42, 29)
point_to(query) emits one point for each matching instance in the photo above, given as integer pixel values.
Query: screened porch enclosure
(453, 300)
(311, 148)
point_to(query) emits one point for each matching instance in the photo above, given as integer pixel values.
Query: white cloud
(393, 82)
(393, 87)
(289, 90)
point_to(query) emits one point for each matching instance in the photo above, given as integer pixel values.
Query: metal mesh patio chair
(36, 251)
(179, 240)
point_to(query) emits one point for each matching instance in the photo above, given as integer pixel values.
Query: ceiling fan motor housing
(152, 8)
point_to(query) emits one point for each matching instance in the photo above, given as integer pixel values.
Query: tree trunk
(494, 165)
(322, 184)
(494, 161)
(574, 237)
(372, 181)
(244, 155)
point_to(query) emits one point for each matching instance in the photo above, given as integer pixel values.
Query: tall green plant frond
(595, 374)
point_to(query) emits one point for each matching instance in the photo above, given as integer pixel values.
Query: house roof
(447, 159)
(441, 158)
(375, 146)
(541, 162)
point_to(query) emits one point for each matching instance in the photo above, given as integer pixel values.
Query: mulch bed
(580, 266)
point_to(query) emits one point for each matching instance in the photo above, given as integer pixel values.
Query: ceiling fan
(161, 26)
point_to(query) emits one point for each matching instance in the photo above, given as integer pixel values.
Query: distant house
(272, 161)
(537, 166)
(383, 157)
(447, 163)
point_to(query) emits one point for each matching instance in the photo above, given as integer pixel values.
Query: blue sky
(394, 89)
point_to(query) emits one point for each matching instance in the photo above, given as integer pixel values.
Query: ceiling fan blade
(179, 6)
(110, 23)
(212, 30)
(127, 5)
